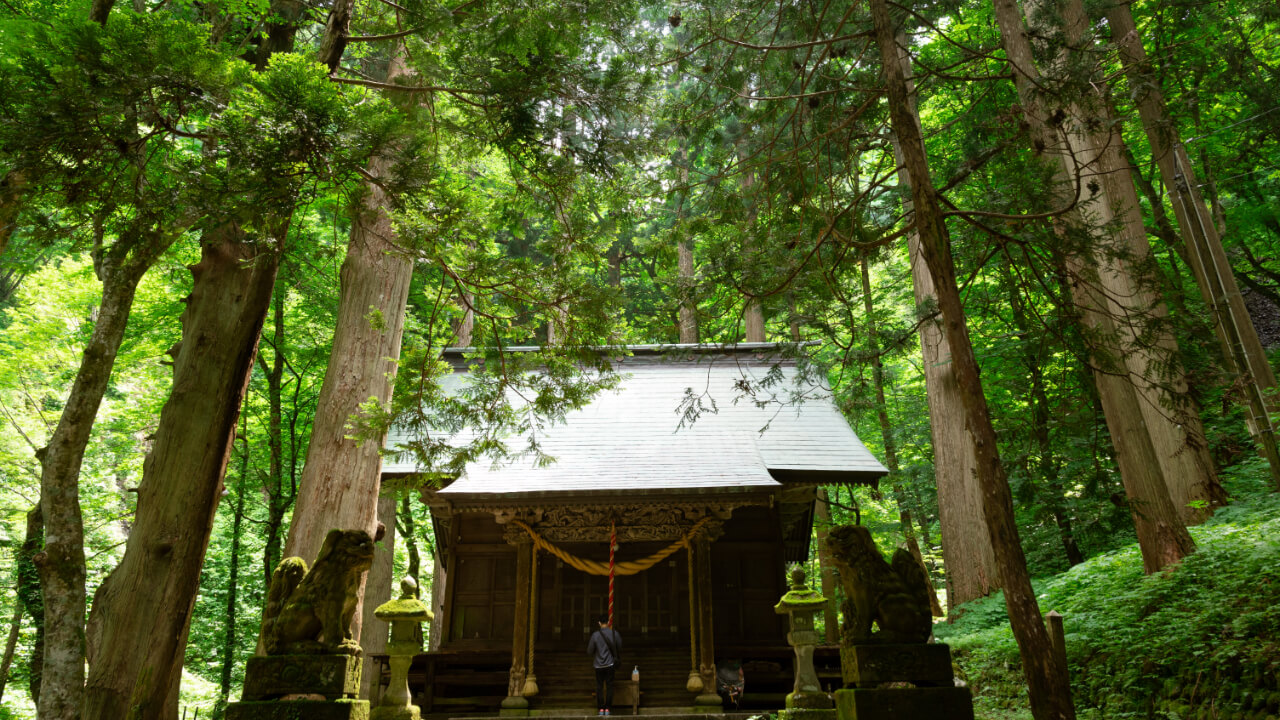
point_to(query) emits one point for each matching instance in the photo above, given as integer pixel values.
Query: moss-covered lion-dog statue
(310, 611)
(892, 595)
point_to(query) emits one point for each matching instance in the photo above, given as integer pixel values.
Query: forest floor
(1199, 641)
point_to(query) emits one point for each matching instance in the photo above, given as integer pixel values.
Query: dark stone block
(936, 703)
(867, 666)
(299, 710)
(275, 676)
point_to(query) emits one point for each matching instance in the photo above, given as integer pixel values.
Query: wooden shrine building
(714, 511)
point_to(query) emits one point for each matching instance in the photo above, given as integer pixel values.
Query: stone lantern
(801, 603)
(405, 617)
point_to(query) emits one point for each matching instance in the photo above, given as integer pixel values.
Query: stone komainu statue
(309, 612)
(894, 596)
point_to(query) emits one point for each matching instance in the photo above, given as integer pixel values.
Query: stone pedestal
(299, 710)
(292, 687)
(900, 682)
(272, 677)
(867, 666)
(921, 703)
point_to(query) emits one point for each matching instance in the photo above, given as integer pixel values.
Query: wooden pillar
(515, 702)
(377, 590)
(694, 685)
(706, 628)
(439, 580)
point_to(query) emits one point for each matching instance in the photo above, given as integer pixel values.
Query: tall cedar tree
(1047, 680)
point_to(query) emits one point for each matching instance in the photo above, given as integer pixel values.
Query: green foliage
(1201, 638)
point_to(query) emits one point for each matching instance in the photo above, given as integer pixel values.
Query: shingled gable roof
(630, 438)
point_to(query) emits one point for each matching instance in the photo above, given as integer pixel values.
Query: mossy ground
(1199, 641)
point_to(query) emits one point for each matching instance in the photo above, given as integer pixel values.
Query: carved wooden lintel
(633, 522)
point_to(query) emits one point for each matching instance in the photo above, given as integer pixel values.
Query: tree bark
(141, 613)
(1241, 348)
(753, 309)
(1050, 692)
(340, 481)
(378, 591)
(686, 273)
(1123, 260)
(1161, 535)
(969, 561)
(886, 434)
(62, 563)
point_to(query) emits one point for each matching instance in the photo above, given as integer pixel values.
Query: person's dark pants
(604, 687)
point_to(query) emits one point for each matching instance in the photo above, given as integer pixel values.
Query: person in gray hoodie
(605, 649)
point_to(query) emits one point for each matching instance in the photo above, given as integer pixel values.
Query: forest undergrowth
(1199, 642)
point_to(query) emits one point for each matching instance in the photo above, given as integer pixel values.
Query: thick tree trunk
(141, 613)
(886, 434)
(1123, 262)
(1242, 351)
(970, 562)
(340, 481)
(62, 563)
(1047, 682)
(378, 590)
(1160, 533)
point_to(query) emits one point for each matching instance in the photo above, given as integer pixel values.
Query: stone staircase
(566, 681)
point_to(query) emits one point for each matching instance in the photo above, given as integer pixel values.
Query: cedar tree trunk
(1137, 452)
(966, 546)
(1047, 681)
(141, 613)
(340, 481)
(1242, 351)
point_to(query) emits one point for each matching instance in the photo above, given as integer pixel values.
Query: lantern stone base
(808, 701)
(396, 713)
(922, 703)
(299, 710)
